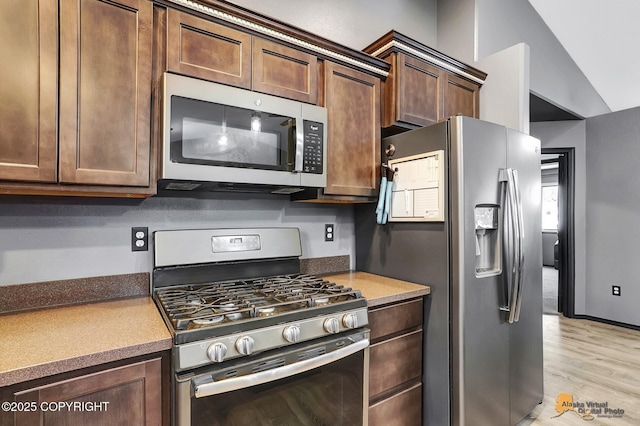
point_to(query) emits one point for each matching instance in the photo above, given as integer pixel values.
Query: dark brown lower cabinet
(395, 364)
(129, 394)
(401, 409)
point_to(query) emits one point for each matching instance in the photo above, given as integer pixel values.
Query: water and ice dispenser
(488, 237)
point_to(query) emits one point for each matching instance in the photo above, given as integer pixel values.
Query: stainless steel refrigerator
(482, 362)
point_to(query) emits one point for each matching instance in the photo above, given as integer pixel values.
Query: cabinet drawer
(393, 319)
(402, 409)
(204, 49)
(394, 362)
(283, 71)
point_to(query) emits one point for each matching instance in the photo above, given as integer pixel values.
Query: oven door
(325, 382)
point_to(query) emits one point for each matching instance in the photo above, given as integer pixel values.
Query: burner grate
(211, 304)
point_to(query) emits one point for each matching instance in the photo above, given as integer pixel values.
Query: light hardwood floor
(592, 362)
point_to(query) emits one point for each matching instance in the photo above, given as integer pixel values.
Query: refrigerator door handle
(511, 239)
(521, 259)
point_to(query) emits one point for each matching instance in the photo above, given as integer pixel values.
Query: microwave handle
(235, 383)
(299, 145)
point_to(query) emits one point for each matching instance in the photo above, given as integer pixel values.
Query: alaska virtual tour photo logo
(587, 410)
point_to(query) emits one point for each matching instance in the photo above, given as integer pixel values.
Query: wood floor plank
(593, 362)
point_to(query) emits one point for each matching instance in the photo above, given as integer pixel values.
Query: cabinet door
(105, 91)
(130, 395)
(28, 90)
(419, 91)
(460, 96)
(283, 71)
(352, 99)
(206, 50)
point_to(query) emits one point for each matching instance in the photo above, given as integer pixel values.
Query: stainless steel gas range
(254, 340)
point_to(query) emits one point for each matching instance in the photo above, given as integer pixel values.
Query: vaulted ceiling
(603, 39)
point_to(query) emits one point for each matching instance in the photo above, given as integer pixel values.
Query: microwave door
(220, 135)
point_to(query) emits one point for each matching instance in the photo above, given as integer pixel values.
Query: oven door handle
(228, 385)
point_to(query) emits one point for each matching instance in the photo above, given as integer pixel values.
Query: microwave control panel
(312, 154)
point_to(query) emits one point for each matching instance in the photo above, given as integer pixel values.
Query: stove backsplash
(92, 237)
(325, 265)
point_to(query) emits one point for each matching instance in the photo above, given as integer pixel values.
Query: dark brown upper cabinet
(424, 86)
(207, 50)
(204, 49)
(99, 142)
(282, 71)
(28, 90)
(105, 92)
(353, 153)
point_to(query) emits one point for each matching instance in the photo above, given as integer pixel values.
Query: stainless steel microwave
(222, 138)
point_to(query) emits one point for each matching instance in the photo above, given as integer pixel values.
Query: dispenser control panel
(418, 188)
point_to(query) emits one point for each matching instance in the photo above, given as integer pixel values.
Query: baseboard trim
(607, 321)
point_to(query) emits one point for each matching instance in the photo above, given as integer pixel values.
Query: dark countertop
(45, 342)
(377, 289)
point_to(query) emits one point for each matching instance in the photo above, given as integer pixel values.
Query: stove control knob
(350, 320)
(291, 333)
(332, 325)
(244, 345)
(216, 352)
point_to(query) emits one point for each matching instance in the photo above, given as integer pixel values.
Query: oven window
(215, 134)
(330, 395)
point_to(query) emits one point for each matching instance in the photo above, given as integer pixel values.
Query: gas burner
(319, 301)
(263, 312)
(208, 321)
(225, 307)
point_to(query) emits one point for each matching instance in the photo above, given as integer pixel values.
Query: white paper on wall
(418, 186)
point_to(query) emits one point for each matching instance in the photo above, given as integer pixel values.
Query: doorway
(565, 159)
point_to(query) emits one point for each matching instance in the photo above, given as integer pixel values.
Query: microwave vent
(183, 186)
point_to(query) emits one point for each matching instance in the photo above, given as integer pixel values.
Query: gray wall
(354, 23)
(572, 134)
(500, 24)
(613, 215)
(44, 239)
(504, 96)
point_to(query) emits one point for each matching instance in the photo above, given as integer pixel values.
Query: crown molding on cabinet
(380, 69)
(396, 42)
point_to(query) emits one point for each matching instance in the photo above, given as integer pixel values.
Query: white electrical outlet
(329, 231)
(139, 239)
